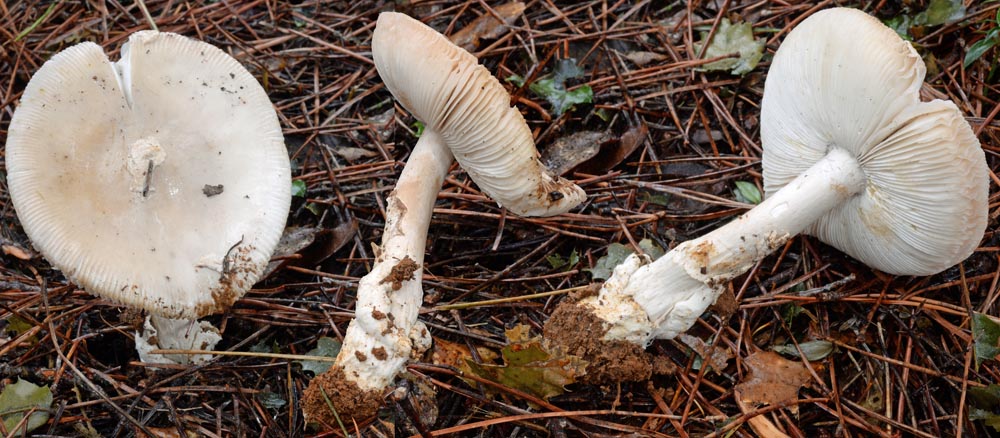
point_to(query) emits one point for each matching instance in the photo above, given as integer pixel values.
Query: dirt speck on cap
(581, 333)
(350, 402)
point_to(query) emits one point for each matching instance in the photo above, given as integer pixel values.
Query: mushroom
(467, 113)
(851, 156)
(159, 182)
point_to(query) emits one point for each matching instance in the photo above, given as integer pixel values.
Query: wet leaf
(325, 347)
(772, 379)
(716, 357)
(487, 26)
(552, 87)
(732, 39)
(531, 366)
(940, 12)
(746, 192)
(813, 350)
(986, 334)
(616, 255)
(299, 188)
(19, 398)
(985, 404)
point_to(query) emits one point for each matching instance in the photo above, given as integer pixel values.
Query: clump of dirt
(581, 333)
(347, 399)
(403, 271)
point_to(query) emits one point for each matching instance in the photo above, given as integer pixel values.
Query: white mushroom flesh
(160, 181)
(446, 88)
(385, 332)
(851, 155)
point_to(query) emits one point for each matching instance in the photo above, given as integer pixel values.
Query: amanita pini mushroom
(851, 156)
(466, 112)
(159, 181)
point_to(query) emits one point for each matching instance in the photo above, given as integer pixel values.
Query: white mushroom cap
(843, 79)
(446, 88)
(80, 146)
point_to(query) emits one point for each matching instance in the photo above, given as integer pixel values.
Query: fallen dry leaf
(487, 26)
(572, 150)
(772, 379)
(715, 356)
(642, 58)
(312, 244)
(591, 152)
(531, 366)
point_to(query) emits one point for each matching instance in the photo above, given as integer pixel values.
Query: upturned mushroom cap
(446, 88)
(184, 240)
(843, 79)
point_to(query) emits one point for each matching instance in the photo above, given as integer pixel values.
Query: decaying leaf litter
(910, 356)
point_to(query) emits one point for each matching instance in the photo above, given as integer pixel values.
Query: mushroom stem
(385, 332)
(676, 289)
(175, 334)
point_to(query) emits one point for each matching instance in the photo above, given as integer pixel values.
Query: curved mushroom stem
(385, 332)
(672, 292)
(176, 334)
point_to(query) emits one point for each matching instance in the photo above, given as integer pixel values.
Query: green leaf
(977, 49)
(731, 39)
(985, 334)
(747, 192)
(940, 12)
(813, 350)
(530, 366)
(516, 80)
(901, 24)
(984, 405)
(658, 199)
(552, 87)
(299, 188)
(314, 208)
(419, 127)
(605, 265)
(557, 261)
(18, 326)
(651, 249)
(325, 347)
(19, 398)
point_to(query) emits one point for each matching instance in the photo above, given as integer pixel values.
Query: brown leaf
(312, 244)
(570, 151)
(487, 26)
(715, 356)
(591, 152)
(642, 58)
(772, 379)
(532, 366)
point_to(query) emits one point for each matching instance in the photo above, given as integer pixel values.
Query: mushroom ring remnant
(108, 162)
(851, 156)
